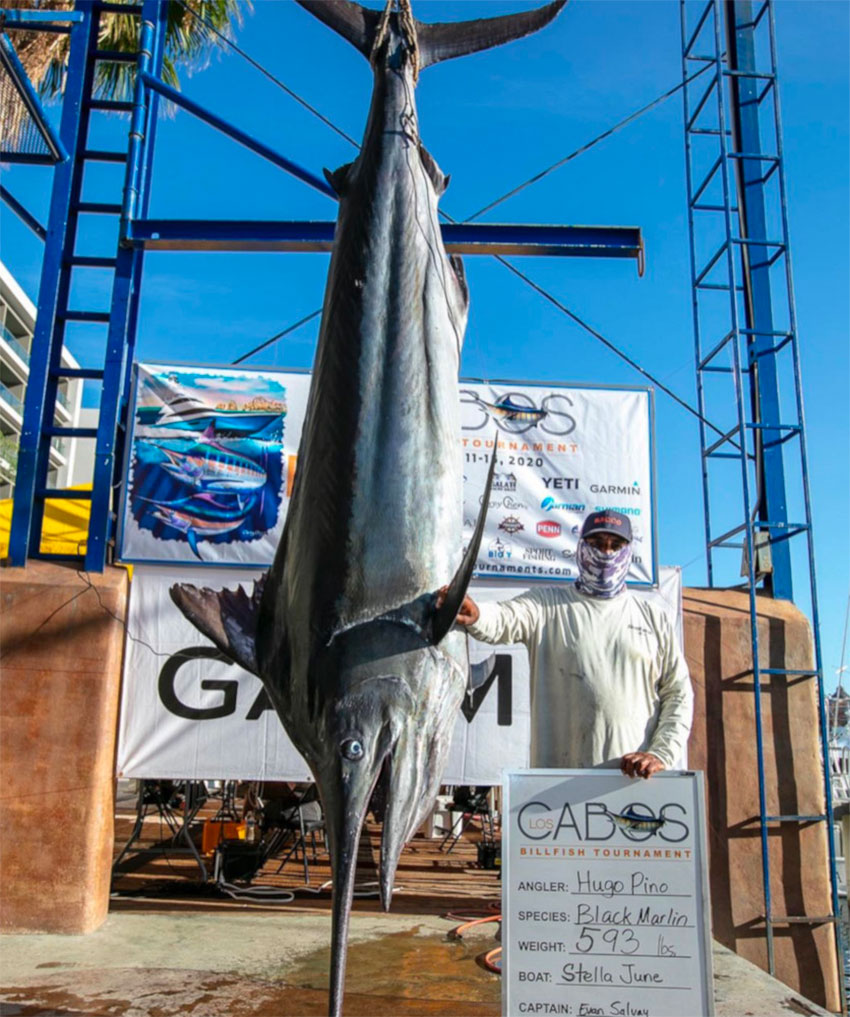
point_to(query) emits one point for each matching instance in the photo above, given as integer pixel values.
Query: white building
(17, 321)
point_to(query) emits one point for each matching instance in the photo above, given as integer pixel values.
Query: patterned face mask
(602, 573)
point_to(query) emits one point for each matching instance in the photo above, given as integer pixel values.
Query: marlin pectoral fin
(435, 174)
(350, 20)
(460, 274)
(338, 178)
(456, 38)
(444, 616)
(227, 617)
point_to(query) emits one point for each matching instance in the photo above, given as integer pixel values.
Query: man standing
(609, 685)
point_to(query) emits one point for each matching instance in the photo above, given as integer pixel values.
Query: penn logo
(548, 528)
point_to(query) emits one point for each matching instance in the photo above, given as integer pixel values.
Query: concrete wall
(59, 682)
(723, 744)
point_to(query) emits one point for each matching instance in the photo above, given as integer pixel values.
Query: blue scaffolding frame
(739, 182)
(745, 331)
(138, 233)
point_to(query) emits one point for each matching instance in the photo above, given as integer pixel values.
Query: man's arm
(670, 737)
(507, 621)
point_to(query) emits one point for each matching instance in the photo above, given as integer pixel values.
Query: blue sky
(493, 120)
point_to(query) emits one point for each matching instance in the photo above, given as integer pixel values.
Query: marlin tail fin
(227, 617)
(442, 41)
(436, 42)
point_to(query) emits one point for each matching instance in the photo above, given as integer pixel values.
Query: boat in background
(179, 409)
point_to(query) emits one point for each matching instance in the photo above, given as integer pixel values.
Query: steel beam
(459, 238)
(744, 94)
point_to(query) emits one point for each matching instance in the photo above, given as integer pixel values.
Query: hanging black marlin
(344, 631)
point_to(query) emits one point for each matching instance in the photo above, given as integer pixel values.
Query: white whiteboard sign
(604, 914)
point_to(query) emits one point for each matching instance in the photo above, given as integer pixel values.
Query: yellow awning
(66, 524)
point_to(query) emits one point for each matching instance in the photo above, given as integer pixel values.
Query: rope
(407, 24)
(607, 342)
(584, 148)
(407, 30)
(280, 335)
(381, 32)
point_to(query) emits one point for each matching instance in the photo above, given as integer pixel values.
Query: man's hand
(641, 764)
(468, 614)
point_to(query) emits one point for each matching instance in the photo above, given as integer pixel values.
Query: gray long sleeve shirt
(607, 676)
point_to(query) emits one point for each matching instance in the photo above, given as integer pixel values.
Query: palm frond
(189, 42)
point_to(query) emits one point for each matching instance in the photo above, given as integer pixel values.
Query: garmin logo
(628, 489)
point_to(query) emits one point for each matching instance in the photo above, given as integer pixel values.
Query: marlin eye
(352, 749)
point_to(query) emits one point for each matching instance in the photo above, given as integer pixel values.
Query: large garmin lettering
(229, 688)
(503, 673)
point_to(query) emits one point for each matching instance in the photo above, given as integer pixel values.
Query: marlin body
(356, 653)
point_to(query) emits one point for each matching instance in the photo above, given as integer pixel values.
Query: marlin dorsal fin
(227, 617)
(442, 41)
(444, 616)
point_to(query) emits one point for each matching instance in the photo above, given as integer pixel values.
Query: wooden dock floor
(429, 880)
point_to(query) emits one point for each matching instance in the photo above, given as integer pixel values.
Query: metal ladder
(80, 109)
(745, 328)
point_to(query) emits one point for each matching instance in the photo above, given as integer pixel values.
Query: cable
(269, 75)
(280, 335)
(493, 204)
(607, 342)
(587, 146)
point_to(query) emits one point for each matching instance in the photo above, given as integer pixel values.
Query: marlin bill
(365, 672)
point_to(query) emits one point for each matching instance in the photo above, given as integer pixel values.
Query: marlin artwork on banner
(364, 669)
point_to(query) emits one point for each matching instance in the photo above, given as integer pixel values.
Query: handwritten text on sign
(604, 901)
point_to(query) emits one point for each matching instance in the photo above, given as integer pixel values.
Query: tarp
(66, 524)
(213, 454)
(188, 713)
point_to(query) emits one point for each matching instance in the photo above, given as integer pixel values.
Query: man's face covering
(602, 573)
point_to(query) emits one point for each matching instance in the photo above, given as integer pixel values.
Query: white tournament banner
(187, 712)
(212, 455)
(605, 895)
(561, 453)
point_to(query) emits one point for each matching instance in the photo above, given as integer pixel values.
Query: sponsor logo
(510, 524)
(624, 510)
(561, 483)
(568, 554)
(565, 821)
(517, 413)
(500, 549)
(538, 554)
(630, 489)
(508, 502)
(469, 524)
(549, 504)
(504, 482)
(548, 528)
